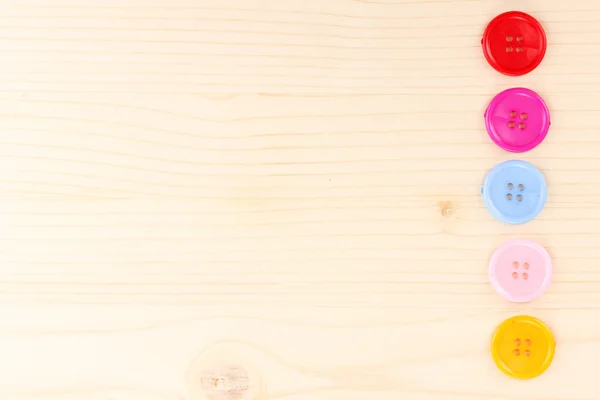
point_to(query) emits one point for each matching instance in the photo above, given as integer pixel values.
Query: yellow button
(523, 347)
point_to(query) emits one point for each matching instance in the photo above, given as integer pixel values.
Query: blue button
(514, 191)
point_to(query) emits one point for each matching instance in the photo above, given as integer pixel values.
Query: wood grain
(258, 200)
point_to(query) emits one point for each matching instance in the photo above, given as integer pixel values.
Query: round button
(517, 119)
(514, 192)
(523, 347)
(520, 270)
(514, 43)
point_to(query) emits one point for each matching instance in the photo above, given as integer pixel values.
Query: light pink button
(517, 119)
(520, 270)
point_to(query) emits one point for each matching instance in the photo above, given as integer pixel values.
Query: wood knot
(226, 370)
(446, 208)
(224, 383)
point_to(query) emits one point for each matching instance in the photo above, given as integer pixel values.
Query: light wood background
(279, 199)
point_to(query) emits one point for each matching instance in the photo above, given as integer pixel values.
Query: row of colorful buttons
(518, 120)
(514, 43)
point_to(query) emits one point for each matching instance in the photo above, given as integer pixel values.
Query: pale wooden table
(260, 199)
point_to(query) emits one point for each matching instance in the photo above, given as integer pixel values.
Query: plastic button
(514, 192)
(523, 347)
(517, 119)
(520, 270)
(514, 43)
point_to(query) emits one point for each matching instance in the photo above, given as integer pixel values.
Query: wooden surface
(260, 199)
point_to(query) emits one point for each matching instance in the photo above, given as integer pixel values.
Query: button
(517, 119)
(514, 192)
(520, 270)
(523, 347)
(514, 43)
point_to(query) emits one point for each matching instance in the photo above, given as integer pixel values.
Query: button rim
(485, 42)
(492, 132)
(501, 290)
(544, 329)
(496, 213)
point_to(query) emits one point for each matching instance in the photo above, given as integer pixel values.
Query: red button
(514, 43)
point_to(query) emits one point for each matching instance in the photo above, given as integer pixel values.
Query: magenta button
(520, 270)
(517, 120)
